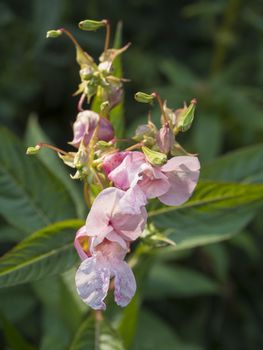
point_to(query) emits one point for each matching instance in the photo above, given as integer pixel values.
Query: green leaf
(153, 333)
(128, 323)
(96, 334)
(169, 282)
(13, 338)
(245, 164)
(44, 253)
(30, 196)
(216, 211)
(55, 334)
(34, 135)
(54, 293)
(16, 303)
(208, 130)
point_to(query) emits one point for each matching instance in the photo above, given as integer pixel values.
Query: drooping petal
(182, 173)
(92, 281)
(125, 284)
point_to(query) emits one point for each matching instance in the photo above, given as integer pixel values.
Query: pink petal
(92, 282)
(97, 223)
(129, 216)
(127, 173)
(84, 127)
(181, 163)
(153, 183)
(125, 284)
(106, 132)
(113, 160)
(182, 173)
(81, 234)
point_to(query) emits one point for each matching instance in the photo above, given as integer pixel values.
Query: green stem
(220, 50)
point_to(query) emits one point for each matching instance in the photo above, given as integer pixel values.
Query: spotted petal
(125, 284)
(92, 281)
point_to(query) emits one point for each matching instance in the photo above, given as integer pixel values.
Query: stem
(107, 38)
(71, 37)
(137, 145)
(98, 315)
(220, 50)
(158, 98)
(97, 177)
(56, 149)
(80, 103)
(86, 195)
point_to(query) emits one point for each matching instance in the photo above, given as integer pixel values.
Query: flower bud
(185, 118)
(143, 97)
(33, 150)
(85, 125)
(165, 139)
(91, 25)
(105, 107)
(153, 157)
(54, 33)
(86, 73)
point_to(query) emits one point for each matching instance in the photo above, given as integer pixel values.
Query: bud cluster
(118, 183)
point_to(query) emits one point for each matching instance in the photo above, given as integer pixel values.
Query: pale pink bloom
(117, 215)
(99, 265)
(113, 160)
(173, 182)
(84, 127)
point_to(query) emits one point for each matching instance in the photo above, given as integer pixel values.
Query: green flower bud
(143, 97)
(91, 25)
(186, 117)
(153, 157)
(33, 150)
(105, 107)
(54, 33)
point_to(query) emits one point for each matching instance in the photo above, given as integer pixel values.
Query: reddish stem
(56, 149)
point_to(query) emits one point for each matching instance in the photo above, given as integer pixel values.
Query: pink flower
(173, 182)
(100, 263)
(118, 216)
(85, 125)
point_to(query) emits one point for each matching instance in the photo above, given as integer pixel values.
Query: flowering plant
(141, 201)
(118, 183)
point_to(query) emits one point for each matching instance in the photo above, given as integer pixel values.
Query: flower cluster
(118, 183)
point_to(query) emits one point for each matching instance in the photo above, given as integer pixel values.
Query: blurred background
(210, 50)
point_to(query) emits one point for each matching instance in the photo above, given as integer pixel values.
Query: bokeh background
(210, 50)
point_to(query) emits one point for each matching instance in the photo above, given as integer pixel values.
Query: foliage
(204, 292)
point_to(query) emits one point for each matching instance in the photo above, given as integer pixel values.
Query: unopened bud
(54, 33)
(33, 150)
(105, 107)
(185, 118)
(153, 157)
(143, 97)
(86, 73)
(91, 25)
(165, 139)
